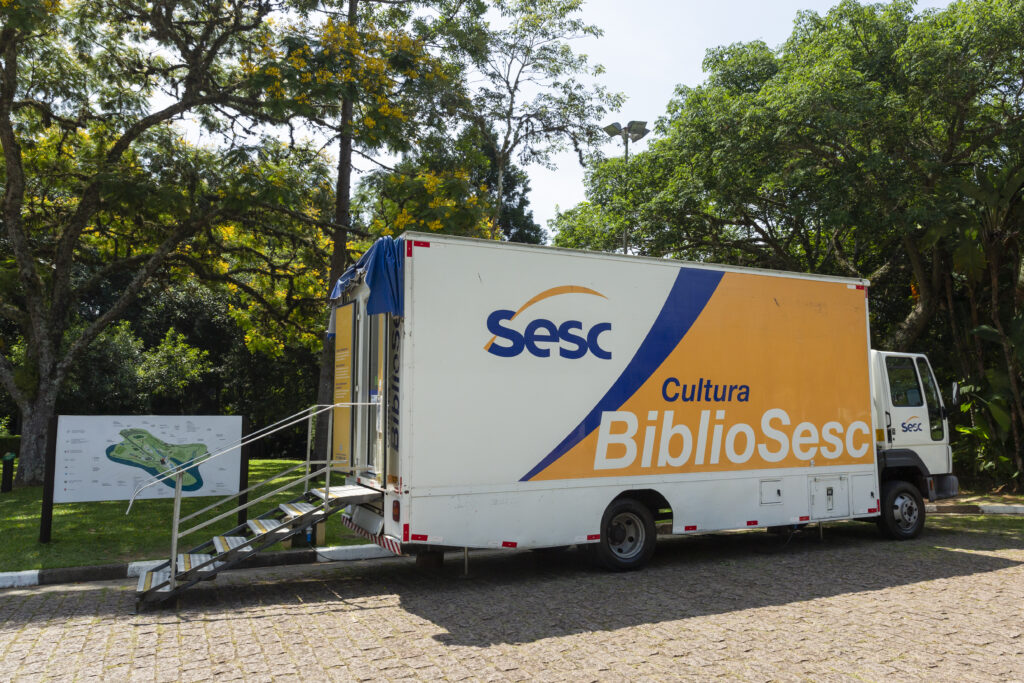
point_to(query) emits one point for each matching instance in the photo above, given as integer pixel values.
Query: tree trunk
(339, 253)
(35, 430)
(500, 191)
(917, 321)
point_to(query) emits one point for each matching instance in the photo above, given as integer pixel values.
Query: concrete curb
(343, 553)
(933, 509)
(1002, 509)
(110, 572)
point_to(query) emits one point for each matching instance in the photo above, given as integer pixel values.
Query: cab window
(903, 387)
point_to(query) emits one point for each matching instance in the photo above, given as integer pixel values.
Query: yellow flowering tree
(372, 74)
(105, 197)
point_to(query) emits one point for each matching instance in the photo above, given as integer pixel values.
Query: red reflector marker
(419, 243)
(419, 537)
(691, 527)
(872, 511)
(752, 522)
(408, 249)
(508, 544)
(405, 532)
(593, 537)
(805, 518)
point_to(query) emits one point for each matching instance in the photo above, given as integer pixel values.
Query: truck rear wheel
(627, 536)
(902, 511)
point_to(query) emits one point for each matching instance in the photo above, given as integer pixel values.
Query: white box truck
(513, 396)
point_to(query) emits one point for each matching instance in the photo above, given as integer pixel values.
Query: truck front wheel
(627, 536)
(902, 511)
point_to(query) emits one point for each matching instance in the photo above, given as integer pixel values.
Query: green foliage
(449, 186)
(876, 142)
(532, 93)
(105, 198)
(169, 369)
(118, 374)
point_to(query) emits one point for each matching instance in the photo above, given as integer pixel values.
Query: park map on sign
(141, 449)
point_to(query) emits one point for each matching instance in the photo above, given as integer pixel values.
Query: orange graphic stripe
(547, 294)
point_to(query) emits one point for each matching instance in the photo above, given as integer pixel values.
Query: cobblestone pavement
(948, 606)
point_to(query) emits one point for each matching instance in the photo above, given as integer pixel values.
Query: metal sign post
(46, 515)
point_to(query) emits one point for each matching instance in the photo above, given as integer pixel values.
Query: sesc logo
(908, 426)
(541, 337)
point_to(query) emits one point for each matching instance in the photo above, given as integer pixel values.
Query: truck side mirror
(956, 393)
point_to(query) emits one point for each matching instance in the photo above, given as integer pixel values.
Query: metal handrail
(255, 486)
(244, 441)
(178, 473)
(250, 503)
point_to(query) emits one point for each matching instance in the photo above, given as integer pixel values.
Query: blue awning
(383, 265)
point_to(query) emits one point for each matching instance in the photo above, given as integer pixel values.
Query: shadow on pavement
(517, 596)
(526, 598)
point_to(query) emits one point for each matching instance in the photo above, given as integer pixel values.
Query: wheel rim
(905, 511)
(626, 535)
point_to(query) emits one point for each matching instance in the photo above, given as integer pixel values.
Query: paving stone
(947, 607)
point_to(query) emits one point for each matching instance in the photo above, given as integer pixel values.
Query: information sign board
(106, 457)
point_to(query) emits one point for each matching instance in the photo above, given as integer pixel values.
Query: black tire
(902, 511)
(627, 536)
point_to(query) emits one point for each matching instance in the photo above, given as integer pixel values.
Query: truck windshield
(934, 410)
(903, 386)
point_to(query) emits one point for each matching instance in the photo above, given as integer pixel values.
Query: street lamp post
(634, 130)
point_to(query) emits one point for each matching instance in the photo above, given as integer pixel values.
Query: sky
(648, 48)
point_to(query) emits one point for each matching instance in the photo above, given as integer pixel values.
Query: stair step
(350, 493)
(225, 543)
(265, 526)
(297, 509)
(187, 562)
(148, 580)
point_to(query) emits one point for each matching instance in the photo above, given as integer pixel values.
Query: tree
(102, 195)
(510, 193)
(876, 142)
(371, 76)
(449, 185)
(531, 93)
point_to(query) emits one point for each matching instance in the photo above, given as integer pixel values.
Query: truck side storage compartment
(864, 494)
(829, 496)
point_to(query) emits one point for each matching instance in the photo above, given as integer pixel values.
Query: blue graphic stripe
(689, 295)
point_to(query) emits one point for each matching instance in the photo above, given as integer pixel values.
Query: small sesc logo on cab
(545, 338)
(909, 426)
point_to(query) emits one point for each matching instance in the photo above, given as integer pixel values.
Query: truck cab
(911, 440)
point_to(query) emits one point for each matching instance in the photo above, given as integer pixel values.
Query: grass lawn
(987, 524)
(101, 533)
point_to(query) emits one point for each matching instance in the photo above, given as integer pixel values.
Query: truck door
(369, 393)
(914, 412)
(375, 418)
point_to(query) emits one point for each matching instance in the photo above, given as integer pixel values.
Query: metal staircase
(307, 507)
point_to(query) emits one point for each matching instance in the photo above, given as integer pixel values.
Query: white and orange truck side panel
(537, 384)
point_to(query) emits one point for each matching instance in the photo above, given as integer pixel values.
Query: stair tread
(225, 543)
(351, 492)
(188, 561)
(264, 526)
(147, 580)
(297, 509)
